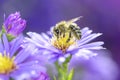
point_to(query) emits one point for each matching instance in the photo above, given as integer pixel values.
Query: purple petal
(85, 32)
(4, 77)
(23, 54)
(29, 63)
(85, 53)
(38, 38)
(15, 45)
(50, 48)
(45, 36)
(88, 38)
(1, 47)
(6, 44)
(93, 45)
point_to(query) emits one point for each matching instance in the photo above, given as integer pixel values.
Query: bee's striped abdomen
(76, 31)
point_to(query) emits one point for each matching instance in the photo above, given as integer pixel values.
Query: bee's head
(59, 28)
(56, 31)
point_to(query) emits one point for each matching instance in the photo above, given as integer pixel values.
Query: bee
(70, 27)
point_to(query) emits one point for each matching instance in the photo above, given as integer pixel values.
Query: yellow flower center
(63, 42)
(6, 64)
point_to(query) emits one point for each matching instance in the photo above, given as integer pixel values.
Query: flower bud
(14, 24)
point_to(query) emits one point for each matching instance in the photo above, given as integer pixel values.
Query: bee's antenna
(4, 16)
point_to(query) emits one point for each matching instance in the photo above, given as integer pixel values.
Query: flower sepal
(9, 36)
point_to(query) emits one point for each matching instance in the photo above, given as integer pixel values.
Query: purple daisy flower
(60, 49)
(16, 59)
(14, 25)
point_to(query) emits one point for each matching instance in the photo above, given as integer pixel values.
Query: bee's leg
(79, 35)
(59, 34)
(64, 34)
(78, 32)
(70, 35)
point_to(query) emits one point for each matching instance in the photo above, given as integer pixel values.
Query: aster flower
(14, 24)
(15, 59)
(59, 49)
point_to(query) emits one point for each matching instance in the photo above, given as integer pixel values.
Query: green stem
(63, 73)
(11, 78)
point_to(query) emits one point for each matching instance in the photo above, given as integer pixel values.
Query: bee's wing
(74, 20)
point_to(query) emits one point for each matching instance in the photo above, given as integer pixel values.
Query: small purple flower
(43, 76)
(16, 59)
(59, 49)
(14, 24)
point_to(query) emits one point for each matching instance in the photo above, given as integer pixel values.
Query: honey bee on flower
(70, 27)
(66, 38)
(65, 33)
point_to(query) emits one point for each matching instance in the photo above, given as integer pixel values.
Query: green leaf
(70, 76)
(3, 29)
(10, 37)
(11, 78)
(57, 65)
(54, 78)
(68, 59)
